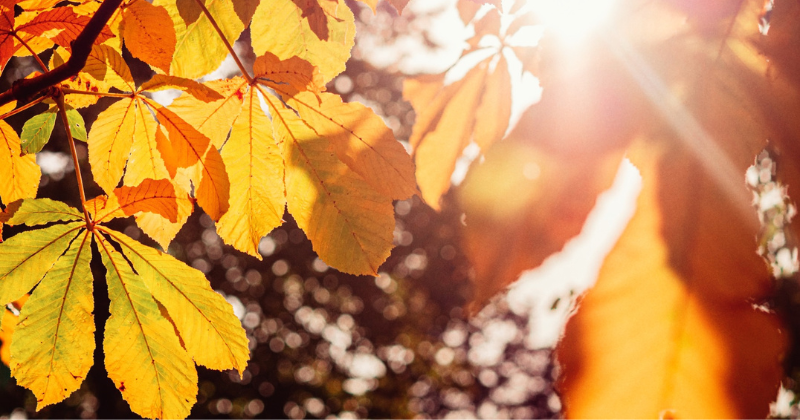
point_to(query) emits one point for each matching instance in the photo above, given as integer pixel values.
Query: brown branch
(62, 111)
(23, 90)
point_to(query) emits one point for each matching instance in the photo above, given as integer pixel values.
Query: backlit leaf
(76, 125)
(7, 326)
(198, 90)
(53, 345)
(199, 50)
(161, 229)
(215, 118)
(437, 151)
(257, 200)
(211, 332)
(26, 257)
(142, 353)
(298, 74)
(20, 174)
(494, 112)
(153, 196)
(6, 37)
(349, 223)
(111, 138)
(106, 65)
(39, 211)
(149, 34)
(65, 19)
(145, 160)
(37, 130)
(670, 317)
(321, 33)
(361, 140)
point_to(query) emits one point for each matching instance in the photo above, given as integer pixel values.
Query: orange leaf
(438, 149)
(214, 187)
(188, 145)
(399, 4)
(65, 19)
(6, 37)
(522, 204)
(215, 118)
(299, 74)
(670, 319)
(154, 196)
(149, 34)
(161, 229)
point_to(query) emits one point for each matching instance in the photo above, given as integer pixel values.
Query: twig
(24, 89)
(62, 110)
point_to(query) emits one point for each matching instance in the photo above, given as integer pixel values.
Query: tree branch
(23, 90)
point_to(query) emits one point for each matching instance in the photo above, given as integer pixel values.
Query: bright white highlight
(572, 21)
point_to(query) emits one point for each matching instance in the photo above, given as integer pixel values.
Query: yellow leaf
(107, 65)
(257, 198)
(142, 353)
(40, 211)
(197, 90)
(361, 140)
(213, 335)
(670, 319)
(188, 145)
(149, 34)
(199, 49)
(53, 345)
(349, 224)
(321, 33)
(214, 119)
(7, 326)
(26, 257)
(437, 151)
(145, 160)
(21, 174)
(160, 228)
(110, 140)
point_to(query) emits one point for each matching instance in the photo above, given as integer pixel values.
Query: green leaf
(39, 211)
(76, 124)
(53, 345)
(37, 130)
(25, 258)
(143, 356)
(213, 335)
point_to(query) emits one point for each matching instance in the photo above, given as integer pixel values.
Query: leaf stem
(35, 56)
(225, 41)
(23, 107)
(103, 94)
(62, 110)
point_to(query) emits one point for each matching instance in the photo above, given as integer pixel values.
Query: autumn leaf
(110, 141)
(64, 19)
(251, 155)
(142, 353)
(348, 222)
(6, 36)
(148, 33)
(361, 140)
(296, 36)
(7, 325)
(20, 172)
(198, 49)
(28, 256)
(213, 335)
(670, 317)
(53, 345)
(40, 211)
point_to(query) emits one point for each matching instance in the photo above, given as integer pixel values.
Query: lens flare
(573, 21)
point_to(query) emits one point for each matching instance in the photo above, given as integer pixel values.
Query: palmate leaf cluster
(244, 149)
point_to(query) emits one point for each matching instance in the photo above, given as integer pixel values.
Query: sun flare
(573, 21)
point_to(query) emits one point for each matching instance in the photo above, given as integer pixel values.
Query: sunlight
(573, 21)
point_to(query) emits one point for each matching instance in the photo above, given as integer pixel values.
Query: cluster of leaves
(691, 92)
(244, 149)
